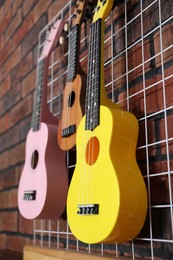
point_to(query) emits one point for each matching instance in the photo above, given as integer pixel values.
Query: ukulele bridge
(88, 209)
(29, 195)
(69, 131)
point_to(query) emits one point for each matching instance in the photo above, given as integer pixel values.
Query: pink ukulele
(44, 181)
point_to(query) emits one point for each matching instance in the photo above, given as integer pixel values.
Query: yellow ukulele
(107, 198)
(74, 92)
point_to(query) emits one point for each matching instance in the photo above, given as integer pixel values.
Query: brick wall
(20, 23)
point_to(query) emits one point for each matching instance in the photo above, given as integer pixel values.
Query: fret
(92, 106)
(72, 55)
(35, 124)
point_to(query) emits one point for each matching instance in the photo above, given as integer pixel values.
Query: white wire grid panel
(138, 59)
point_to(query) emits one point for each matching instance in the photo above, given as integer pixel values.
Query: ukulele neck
(73, 57)
(40, 98)
(96, 93)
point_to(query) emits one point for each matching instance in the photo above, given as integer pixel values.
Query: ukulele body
(74, 96)
(107, 199)
(44, 176)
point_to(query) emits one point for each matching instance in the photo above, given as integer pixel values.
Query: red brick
(167, 40)
(141, 153)
(12, 198)
(171, 167)
(3, 199)
(154, 98)
(25, 225)
(151, 102)
(131, 3)
(30, 20)
(4, 123)
(1, 13)
(135, 60)
(27, 6)
(17, 154)
(31, 39)
(170, 126)
(136, 88)
(22, 31)
(119, 71)
(22, 69)
(150, 16)
(13, 60)
(4, 160)
(1, 41)
(15, 5)
(1, 75)
(169, 122)
(107, 49)
(8, 221)
(136, 103)
(151, 133)
(118, 11)
(170, 147)
(133, 26)
(5, 51)
(7, 16)
(168, 91)
(160, 190)
(25, 125)
(3, 241)
(9, 100)
(158, 167)
(17, 243)
(9, 177)
(29, 82)
(5, 86)
(168, 71)
(56, 5)
(41, 7)
(146, 48)
(15, 22)
(7, 5)
(21, 110)
(9, 138)
(122, 100)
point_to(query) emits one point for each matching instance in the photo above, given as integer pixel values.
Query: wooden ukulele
(107, 198)
(43, 184)
(74, 92)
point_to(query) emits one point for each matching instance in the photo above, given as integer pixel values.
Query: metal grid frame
(56, 234)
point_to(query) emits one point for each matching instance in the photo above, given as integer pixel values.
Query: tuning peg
(63, 37)
(74, 16)
(76, 5)
(66, 27)
(79, 11)
(61, 40)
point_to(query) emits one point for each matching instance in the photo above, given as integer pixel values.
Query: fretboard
(73, 53)
(36, 114)
(92, 105)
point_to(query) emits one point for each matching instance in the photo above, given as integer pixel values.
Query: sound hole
(92, 150)
(71, 99)
(34, 159)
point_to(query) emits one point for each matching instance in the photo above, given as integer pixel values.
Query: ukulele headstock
(102, 9)
(52, 38)
(79, 12)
